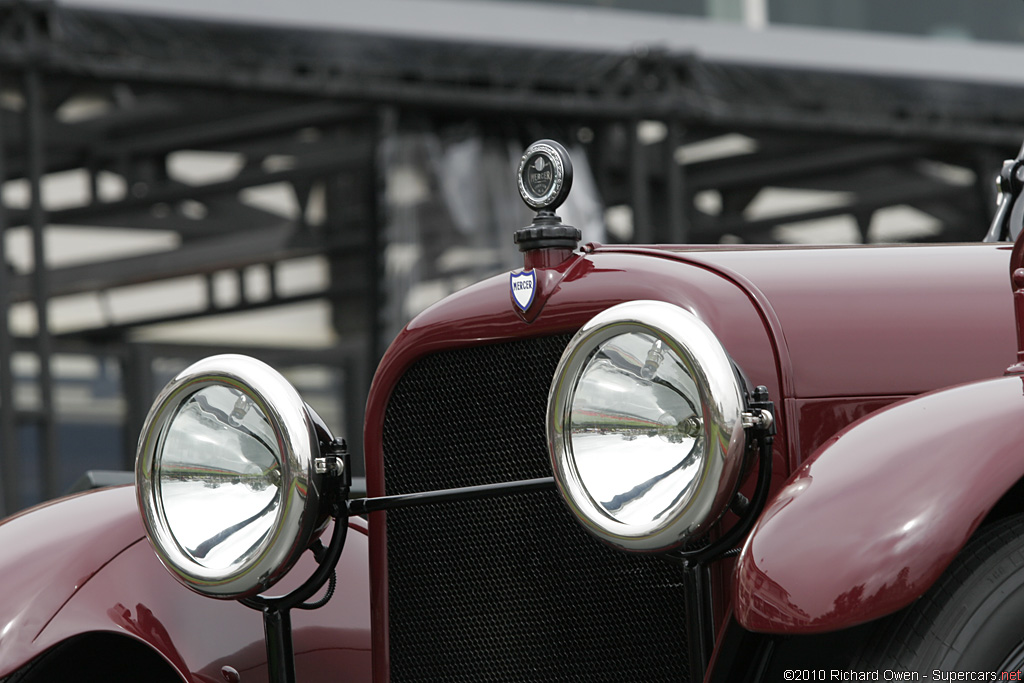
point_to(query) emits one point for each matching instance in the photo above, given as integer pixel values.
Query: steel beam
(222, 252)
(678, 188)
(35, 113)
(639, 186)
(139, 392)
(237, 126)
(10, 495)
(121, 349)
(776, 168)
(864, 203)
(314, 166)
(117, 330)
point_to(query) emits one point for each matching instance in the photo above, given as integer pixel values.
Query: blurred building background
(296, 180)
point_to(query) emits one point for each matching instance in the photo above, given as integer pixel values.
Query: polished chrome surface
(332, 465)
(219, 479)
(546, 154)
(225, 476)
(645, 427)
(637, 437)
(758, 419)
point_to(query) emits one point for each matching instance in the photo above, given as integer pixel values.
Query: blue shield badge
(524, 286)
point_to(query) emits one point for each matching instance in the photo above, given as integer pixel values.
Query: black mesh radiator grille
(508, 588)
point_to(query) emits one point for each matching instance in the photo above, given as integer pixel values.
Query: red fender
(876, 515)
(49, 552)
(83, 565)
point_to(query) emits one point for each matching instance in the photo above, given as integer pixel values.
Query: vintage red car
(617, 463)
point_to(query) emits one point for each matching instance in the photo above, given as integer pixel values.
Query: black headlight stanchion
(277, 632)
(277, 625)
(700, 623)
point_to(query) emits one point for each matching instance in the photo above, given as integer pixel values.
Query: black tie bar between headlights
(362, 506)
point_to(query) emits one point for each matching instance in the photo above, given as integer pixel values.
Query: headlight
(645, 426)
(225, 476)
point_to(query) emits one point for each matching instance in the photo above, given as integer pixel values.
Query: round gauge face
(545, 175)
(539, 175)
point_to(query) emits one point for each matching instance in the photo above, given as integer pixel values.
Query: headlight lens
(225, 476)
(220, 477)
(645, 427)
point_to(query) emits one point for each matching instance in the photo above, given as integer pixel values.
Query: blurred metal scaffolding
(312, 111)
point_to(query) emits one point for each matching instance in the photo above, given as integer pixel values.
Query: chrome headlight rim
(298, 516)
(722, 404)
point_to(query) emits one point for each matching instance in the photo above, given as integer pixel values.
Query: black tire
(96, 658)
(972, 619)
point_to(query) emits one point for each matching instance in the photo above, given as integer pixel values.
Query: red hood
(814, 321)
(886, 320)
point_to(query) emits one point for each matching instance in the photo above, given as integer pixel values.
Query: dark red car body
(98, 578)
(861, 522)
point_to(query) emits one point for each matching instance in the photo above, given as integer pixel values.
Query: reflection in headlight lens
(219, 480)
(226, 479)
(636, 429)
(645, 426)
